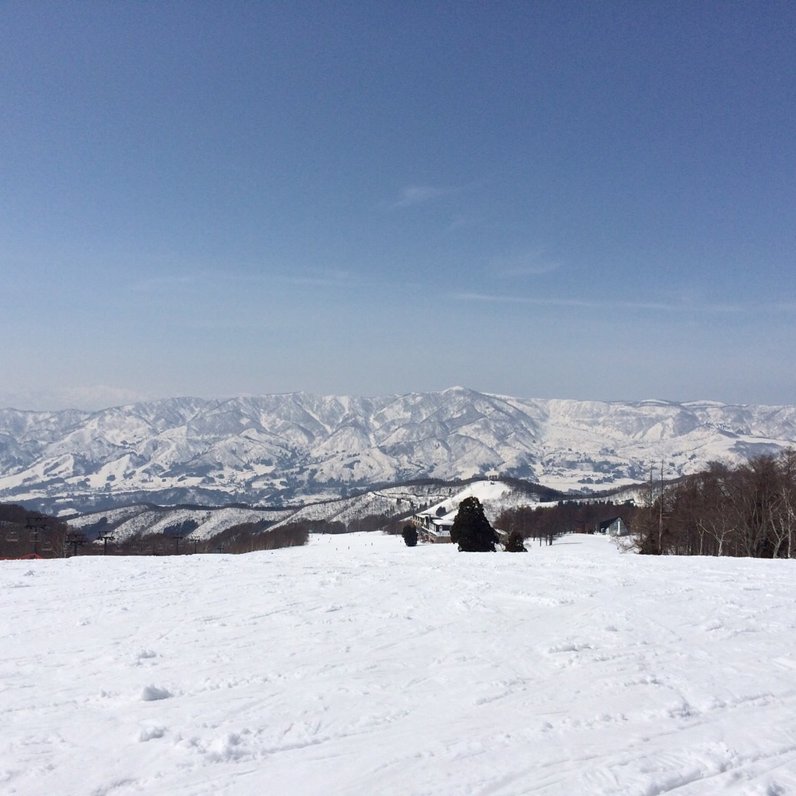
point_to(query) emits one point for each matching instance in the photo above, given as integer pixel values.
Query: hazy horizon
(92, 401)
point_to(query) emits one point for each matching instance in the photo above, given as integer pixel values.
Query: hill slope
(132, 522)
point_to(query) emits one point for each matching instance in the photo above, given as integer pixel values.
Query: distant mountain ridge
(277, 448)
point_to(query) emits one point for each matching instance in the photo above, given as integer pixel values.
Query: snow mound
(153, 693)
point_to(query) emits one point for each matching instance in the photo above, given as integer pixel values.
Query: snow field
(359, 666)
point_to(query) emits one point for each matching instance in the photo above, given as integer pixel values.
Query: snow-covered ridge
(136, 521)
(132, 522)
(278, 448)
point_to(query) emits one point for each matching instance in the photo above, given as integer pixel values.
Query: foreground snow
(359, 666)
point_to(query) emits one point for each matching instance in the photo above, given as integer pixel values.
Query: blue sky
(551, 199)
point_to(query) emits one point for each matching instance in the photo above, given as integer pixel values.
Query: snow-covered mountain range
(286, 448)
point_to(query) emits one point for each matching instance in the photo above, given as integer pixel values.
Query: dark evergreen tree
(471, 529)
(515, 543)
(410, 535)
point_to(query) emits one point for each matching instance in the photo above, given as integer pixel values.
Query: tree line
(545, 523)
(28, 533)
(24, 532)
(747, 510)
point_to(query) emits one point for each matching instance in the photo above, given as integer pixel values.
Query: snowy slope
(135, 521)
(494, 496)
(359, 666)
(391, 501)
(287, 448)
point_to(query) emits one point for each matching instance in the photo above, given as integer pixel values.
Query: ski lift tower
(76, 539)
(106, 536)
(177, 534)
(36, 526)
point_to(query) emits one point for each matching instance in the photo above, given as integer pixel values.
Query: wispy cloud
(462, 222)
(319, 277)
(216, 279)
(157, 284)
(524, 264)
(530, 269)
(579, 303)
(413, 195)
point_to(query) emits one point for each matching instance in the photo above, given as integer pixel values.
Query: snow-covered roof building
(432, 527)
(614, 527)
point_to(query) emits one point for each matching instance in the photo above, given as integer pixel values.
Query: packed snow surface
(357, 665)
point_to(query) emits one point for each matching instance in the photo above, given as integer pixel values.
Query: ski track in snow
(359, 666)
